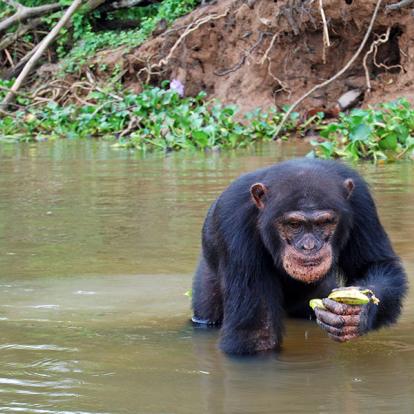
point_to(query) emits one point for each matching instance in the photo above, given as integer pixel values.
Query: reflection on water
(96, 249)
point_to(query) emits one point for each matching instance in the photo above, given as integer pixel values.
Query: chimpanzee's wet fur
(240, 283)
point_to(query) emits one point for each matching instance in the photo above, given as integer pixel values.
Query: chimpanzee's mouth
(311, 261)
(307, 268)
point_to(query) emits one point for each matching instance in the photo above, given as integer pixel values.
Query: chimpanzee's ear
(349, 187)
(258, 192)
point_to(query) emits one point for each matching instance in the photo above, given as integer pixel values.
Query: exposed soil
(226, 57)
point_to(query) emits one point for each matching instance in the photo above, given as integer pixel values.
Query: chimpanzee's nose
(308, 243)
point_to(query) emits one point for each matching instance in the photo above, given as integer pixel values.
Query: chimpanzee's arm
(344, 322)
(388, 282)
(253, 309)
(367, 260)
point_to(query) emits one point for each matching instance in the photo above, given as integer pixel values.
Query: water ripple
(42, 347)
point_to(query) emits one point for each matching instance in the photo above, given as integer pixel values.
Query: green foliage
(89, 42)
(381, 133)
(154, 119)
(78, 44)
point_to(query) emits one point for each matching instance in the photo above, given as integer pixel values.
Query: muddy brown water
(97, 247)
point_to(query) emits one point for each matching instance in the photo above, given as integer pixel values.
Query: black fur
(240, 283)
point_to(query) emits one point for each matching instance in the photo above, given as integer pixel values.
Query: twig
(13, 72)
(9, 58)
(10, 38)
(282, 85)
(132, 125)
(5, 88)
(266, 58)
(272, 42)
(326, 41)
(42, 47)
(336, 76)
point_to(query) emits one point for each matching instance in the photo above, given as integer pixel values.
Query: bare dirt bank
(260, 53)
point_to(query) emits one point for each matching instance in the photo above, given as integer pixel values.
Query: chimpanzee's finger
(351, 320)
(330, 318)
(344, 331)
(345, 338)
(341, 308)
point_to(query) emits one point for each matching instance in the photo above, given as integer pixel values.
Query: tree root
(374, 47)
(336, 76)
(192, 27)
(245, 55)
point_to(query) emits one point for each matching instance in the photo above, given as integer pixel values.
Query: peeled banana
(349, 296)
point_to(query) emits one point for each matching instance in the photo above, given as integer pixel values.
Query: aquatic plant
(157, 118)
(160, 119)
(384, 132)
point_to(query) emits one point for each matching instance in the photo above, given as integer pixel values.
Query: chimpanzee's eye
(327, 222)
(294, 225)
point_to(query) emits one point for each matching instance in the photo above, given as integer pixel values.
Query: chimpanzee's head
(304, 220)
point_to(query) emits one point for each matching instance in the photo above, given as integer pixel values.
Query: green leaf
(389, 142)
(201, 138)
(361, 133)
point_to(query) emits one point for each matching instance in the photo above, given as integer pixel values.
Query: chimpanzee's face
(307, 252)
(303, 223)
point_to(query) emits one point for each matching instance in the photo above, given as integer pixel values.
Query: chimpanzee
(282, 235)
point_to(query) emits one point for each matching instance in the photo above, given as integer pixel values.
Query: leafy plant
(89, 42)
(384, 133)
(155, 119)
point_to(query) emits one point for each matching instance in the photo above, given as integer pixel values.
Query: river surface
(98, 246)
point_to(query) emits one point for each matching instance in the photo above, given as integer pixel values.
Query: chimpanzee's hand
(343, 322)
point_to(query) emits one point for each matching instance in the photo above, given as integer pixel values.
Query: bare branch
(41, 48)
(93, 4)
(24, 13)
(13, 72)
(336, 76)
(14, 4)
(10, 38)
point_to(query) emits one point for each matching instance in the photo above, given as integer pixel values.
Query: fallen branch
(13, 72)
(41, 48)
(10, 38)
(23, 94)
(336, 76)
(23, 13)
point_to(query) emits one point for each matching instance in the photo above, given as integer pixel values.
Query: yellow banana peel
(348, 296)
(316, 303)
